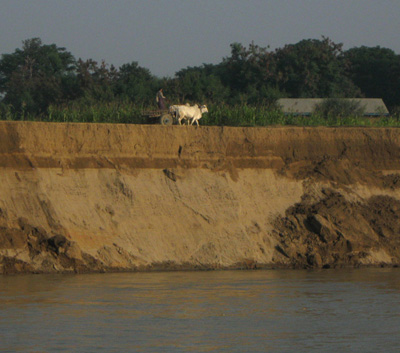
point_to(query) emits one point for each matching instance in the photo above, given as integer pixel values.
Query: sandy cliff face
(89, 197)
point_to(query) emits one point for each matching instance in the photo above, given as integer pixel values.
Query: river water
(219, 311)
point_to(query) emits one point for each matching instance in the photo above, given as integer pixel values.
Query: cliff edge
(103, 197)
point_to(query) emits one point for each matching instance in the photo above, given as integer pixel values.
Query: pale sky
(166, 36)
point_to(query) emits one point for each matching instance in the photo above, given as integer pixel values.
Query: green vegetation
(219, 115)
(46, 83)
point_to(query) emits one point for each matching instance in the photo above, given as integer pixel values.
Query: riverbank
(104, 197)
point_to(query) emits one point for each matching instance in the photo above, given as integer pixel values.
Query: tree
(136, 84)
(376, 71)
(199, 84)
(33, 77)
(249, 73)
(314, 68)
(96, 82)
(336, 107)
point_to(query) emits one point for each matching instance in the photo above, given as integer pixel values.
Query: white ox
(174, 111)
(192, 113)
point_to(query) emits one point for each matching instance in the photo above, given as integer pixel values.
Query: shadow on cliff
(40, 252)
(334, 232)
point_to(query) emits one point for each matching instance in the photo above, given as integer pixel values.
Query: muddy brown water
(222, 311)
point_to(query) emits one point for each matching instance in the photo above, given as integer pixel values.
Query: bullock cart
(162, 117)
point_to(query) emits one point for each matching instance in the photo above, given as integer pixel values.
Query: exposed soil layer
(101, 197)
(333, 232)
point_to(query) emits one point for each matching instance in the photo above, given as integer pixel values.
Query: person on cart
(160, 99)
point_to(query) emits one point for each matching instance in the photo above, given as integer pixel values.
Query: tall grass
(244, 115)
(109, 112)
(219, 115)
(7, 112)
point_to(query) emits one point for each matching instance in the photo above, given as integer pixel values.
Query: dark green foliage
(95, 83)
(250, 74)
(376, 71)
(32, 77)
(45, 82)
(337, 107)
(198, 84)
(314, 68)
(136, 84)
(100, 112)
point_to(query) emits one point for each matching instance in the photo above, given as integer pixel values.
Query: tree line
(40, 81)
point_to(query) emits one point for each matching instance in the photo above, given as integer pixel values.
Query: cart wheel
(166, 119)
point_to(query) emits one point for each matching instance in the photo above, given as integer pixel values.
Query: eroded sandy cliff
(99, 197)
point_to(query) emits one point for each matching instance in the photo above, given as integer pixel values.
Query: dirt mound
(101, 197)
(336, 232)
(31, 249)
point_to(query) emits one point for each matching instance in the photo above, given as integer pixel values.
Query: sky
(166, 36)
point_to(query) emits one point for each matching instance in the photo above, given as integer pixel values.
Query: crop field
(218, 115)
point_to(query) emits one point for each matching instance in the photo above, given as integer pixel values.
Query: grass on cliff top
(218, 115)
